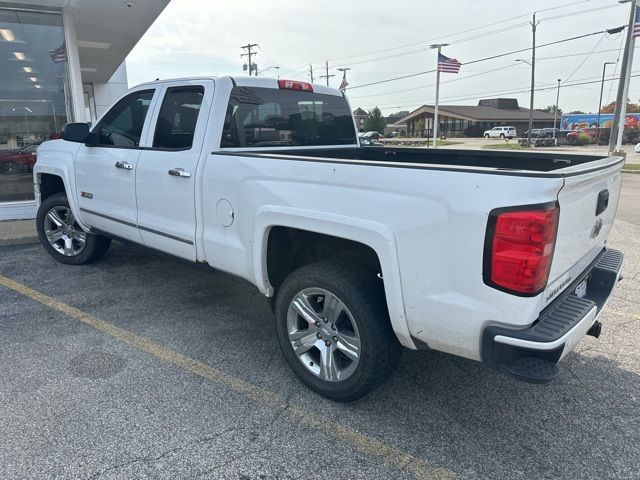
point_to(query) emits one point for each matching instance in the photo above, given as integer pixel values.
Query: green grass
(444, 143)
(503, 146)
(631, 166)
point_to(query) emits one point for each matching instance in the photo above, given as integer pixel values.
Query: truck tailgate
(588, 203)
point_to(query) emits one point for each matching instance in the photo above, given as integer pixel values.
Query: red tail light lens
(294, 85)
(519, 249)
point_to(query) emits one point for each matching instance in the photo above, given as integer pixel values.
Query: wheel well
(50, 185)
(290, 248)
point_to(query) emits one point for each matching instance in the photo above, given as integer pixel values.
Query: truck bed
(519, 163)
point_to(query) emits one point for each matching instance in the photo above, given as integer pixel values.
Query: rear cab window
(269, 117)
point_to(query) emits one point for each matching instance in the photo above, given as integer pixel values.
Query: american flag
(448, 65)
(344, 84)
(59, 55)
(636, 23)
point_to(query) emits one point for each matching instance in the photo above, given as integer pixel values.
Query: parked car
(548, 132)
(18, 160)
(535, 133)
(372, 135)
(501, 132)
(361, 250)
(369, 141)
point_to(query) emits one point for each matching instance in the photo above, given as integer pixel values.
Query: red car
(19, 160)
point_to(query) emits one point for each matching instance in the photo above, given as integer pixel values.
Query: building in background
(473, 120)
(60, 61)
(359, 115)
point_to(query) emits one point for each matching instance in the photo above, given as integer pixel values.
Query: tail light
(519, 248)
(295, 85)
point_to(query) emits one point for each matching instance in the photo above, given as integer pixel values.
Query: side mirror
(75, 132)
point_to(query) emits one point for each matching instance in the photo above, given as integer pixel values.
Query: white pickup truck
(499, 257)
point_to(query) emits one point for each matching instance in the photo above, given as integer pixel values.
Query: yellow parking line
(364, 443)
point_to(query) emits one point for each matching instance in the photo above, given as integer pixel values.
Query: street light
(265, 69)
(604, 69)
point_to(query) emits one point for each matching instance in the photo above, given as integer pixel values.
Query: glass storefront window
(33, 105)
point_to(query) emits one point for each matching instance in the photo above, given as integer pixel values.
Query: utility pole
(327, 76)
(437, 46)
(555, 112)
(249, 54)
(311, 72)
(617, 126)
(604, 69)
(534, 25)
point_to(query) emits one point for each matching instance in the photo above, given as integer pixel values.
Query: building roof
(477, 113)
(106, 31)
(359, 111)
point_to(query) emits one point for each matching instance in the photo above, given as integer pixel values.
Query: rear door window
(178, 116)
(268, 117)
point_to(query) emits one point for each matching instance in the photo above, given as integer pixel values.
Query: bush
(583, 139)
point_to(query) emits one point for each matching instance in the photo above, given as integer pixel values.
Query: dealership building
(60, 61)
(472, 120)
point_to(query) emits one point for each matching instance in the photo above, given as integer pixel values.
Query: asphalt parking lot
(142, 367)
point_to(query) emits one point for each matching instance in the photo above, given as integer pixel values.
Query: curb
(636, 172)
(31, 239)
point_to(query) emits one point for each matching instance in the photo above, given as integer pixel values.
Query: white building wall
(106, 93)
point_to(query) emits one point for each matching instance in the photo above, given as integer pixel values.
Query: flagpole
(437, 46)
(617, 127)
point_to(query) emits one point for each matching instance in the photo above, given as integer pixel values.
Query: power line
(465, 77)
(451, 35)
(484, 59)
(584, 60)
(548, 87)
(484, 72)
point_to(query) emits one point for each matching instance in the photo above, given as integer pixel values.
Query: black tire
(363, 294)
(486, 136)
(95, 245)
(502, 135)
(10, 168)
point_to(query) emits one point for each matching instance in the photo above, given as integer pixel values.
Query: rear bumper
(532, 354)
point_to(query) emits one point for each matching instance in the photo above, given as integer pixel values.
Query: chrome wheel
(63, 232)
(323, 334)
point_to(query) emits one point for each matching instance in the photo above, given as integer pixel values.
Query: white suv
(501, 132)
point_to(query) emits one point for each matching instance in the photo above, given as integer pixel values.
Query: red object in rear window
(519, 248)
(295, 85)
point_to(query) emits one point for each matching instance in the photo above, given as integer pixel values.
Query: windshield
(264, 117)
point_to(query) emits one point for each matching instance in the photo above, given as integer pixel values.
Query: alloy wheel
(63, 232)
(323, 334)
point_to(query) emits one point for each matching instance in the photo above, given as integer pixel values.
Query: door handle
(179, 172)
(124, 165)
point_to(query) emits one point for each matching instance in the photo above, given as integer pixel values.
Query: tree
(576, 111)
(374, 121)
(551, 109)
(611, 107)
(420, 127)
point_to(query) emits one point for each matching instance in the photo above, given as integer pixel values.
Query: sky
(381, 40)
